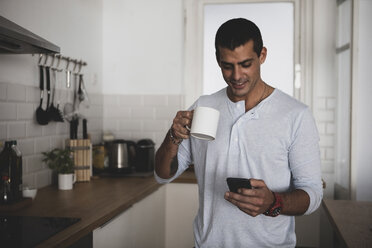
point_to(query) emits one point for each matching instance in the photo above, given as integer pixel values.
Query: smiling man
(264, 135)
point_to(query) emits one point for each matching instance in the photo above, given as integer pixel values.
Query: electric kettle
(122, 154)
(145, 155)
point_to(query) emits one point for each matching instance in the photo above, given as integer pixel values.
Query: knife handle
(47, 71)
(71, 130)
(85, 133)
(76, 128)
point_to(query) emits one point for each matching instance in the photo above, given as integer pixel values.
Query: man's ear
(263, 55)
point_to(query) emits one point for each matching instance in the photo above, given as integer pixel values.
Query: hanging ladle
(41, 114)
(54, 113)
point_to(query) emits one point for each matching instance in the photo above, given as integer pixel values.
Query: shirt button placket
(236, 126)
(233, 149)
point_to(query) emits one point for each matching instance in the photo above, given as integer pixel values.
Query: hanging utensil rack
(59, 57)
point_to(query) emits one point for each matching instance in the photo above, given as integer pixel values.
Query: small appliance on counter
(145, 157)
(99, 156)
(121, 155)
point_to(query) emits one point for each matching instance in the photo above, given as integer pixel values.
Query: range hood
(16, 40)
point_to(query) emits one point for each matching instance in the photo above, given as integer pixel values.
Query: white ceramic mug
(204, 123)
(66, 181)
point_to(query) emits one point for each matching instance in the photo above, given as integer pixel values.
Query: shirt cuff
(315, 199)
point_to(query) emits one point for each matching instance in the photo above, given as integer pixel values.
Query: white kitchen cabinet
(181, 207)
(162, 219)
(142, 225)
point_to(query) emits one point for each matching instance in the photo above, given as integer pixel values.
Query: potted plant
(61, 161)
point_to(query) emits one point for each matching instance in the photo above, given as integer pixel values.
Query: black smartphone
(236, 183)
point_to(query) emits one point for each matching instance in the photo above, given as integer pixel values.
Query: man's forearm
(166, 163)
(295, 202)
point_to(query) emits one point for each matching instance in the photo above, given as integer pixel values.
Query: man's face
(241, 70)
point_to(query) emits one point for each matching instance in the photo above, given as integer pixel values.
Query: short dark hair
(237, 32)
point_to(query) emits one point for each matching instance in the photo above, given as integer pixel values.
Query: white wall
(74, 26)
(362, 133)
(142, 47)
(137, 45)
(142, 67)
(278, 38)
(135, 117)
(325, 85)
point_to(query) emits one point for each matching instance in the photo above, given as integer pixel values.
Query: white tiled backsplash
(126, 116)
(140, 116)
(18, 104)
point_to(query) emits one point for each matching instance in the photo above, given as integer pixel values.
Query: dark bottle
(11, 173)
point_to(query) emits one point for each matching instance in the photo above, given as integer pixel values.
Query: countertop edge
(332, 221)
(96, 203)
(351, 220)
(68, 237)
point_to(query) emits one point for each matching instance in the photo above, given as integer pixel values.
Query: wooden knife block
(82, 155)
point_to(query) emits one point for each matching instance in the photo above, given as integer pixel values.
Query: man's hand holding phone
(236, 183)
(251, 196)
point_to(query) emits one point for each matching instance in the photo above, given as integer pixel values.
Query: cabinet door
(148, 218)
(115, 233)
(181, 208)
(142, 225)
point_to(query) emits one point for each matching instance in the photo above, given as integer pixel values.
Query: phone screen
(235, 183)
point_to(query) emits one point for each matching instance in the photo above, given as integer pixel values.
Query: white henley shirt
(276, 141)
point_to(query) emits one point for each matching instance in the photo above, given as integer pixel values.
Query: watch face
(276, 211)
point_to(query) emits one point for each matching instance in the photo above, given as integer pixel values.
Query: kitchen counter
(95, 203)
(351, 220)
(187, 177)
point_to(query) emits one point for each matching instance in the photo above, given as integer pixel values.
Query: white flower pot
(66, 181)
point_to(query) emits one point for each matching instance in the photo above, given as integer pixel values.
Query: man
(263, 134)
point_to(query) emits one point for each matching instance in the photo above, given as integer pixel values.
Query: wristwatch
(275, 208)
(174, 139)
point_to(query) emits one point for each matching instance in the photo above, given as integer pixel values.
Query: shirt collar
(237, 109)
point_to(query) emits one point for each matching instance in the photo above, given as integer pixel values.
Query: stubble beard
(240, 93)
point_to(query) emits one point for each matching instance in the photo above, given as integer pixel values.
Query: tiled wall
(326, 126)
(131, 117)
(18, 104)
(325, 115)
(140, 116)
(126, 116)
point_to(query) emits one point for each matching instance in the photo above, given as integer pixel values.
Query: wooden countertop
(187, 177)
(352, 221)
(94, 202)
